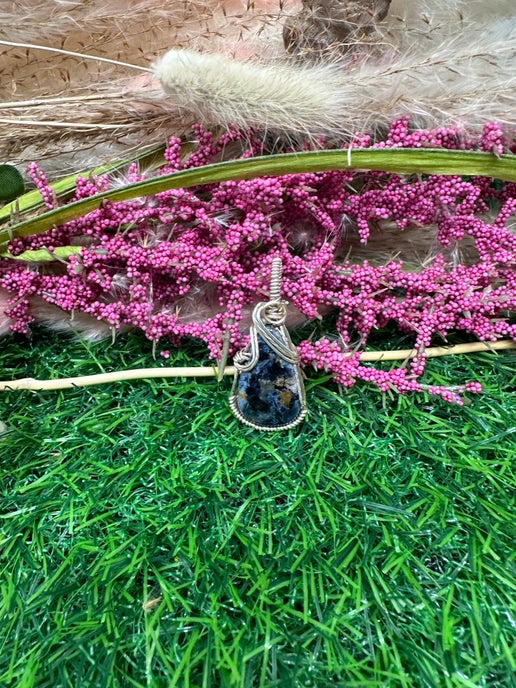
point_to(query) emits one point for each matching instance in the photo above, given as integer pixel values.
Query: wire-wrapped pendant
(268, 391)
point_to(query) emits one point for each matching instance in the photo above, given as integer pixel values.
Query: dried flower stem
(399, 161)
(61, 125)
(71, 53)
(37, 102)
(211, 371)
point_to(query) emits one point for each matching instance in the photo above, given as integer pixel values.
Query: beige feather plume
(441, 61)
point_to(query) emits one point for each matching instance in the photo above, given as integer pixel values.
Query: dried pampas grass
(440, 61)
(70, 113)
(452, 67)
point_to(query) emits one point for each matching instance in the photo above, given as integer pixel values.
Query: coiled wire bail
(275, 311)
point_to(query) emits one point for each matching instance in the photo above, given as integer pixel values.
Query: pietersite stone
(270, 394)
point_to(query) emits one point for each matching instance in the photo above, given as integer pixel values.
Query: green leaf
(43, 255)
(11, 183)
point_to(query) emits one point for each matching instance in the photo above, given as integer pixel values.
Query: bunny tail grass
(271, 97)
(454, 83)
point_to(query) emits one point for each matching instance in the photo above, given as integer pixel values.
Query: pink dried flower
(192, 262)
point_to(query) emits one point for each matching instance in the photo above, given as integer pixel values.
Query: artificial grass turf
(149, 539)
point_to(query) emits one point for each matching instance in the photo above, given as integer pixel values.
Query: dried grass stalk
(71, 114)
(439, 60)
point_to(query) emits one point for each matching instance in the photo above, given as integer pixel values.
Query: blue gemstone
(271, 394)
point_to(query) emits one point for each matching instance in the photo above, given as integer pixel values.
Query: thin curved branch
(208, 371)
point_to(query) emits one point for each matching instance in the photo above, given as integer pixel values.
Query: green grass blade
(63, 188)
(400, 161)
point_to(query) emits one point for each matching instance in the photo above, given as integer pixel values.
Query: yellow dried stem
(149, 373)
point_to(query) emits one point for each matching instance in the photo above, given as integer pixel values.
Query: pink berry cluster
(193, 262)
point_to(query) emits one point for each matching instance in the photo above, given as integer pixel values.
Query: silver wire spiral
(268, 314)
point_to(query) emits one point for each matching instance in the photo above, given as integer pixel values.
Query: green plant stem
(400, 161)
(64, 188)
